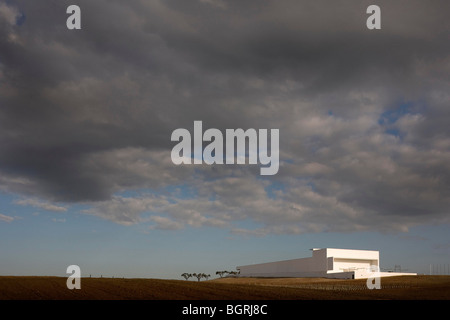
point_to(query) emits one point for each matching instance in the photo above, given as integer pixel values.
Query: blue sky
(105, 248)
(86, 118)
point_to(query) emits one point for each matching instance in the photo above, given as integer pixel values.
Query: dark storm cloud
(88, 114)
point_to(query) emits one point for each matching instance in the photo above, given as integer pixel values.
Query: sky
(86, 117)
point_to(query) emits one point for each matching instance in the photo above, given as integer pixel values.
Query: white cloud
(165, 223)
(6, 218)
(40, 204)
(125, 210)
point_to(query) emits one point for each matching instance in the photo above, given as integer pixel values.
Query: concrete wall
(319, 260)
(340, 264)
(323, 261)
(345, 260)
(326, 262)
(285, 266)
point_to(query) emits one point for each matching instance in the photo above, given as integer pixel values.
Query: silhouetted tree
(221, 273)
(198, 276)
(186, 275)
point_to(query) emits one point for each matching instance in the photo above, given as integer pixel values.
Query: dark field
(394, 288)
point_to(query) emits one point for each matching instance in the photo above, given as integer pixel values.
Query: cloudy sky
(86, 118)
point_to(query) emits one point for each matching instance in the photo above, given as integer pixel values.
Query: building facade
(325, 262)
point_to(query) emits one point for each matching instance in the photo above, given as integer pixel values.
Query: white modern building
(326, 262)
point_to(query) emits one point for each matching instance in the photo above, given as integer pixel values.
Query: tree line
(199, 276)
(231, 273)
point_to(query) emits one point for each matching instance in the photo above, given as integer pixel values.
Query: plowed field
(392, 288)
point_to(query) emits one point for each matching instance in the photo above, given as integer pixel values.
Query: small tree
(206, 276)
(220, 273)
(233, 273)
(186, 275)
(224, 272)
(198, 276)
